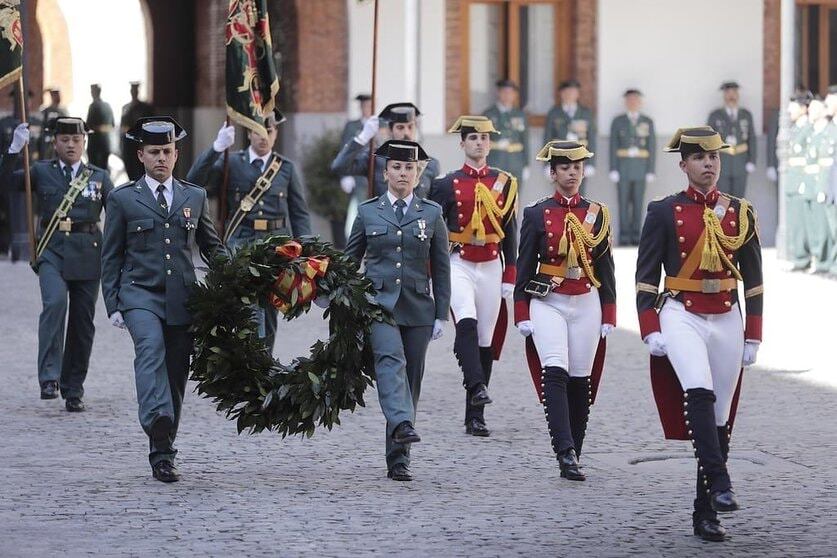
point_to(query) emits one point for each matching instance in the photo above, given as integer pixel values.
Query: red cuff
(753, 328)
(521, 311)
(609, 313)
(649, 322)
(510, 274)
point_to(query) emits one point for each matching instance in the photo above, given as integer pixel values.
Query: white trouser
(705, 351)
(476, 293)
(567, 330)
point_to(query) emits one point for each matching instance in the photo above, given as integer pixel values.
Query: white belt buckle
(573, 273)
(633, 151)
(710, 286)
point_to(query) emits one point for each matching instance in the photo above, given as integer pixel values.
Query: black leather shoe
(405, 434)
(74, 405)
(400, 472)
(710, 530)
(568, 463)
(165, 471)
(160, 431)
(476, 428)
(49, 390)
(724, 501)
(479, 396)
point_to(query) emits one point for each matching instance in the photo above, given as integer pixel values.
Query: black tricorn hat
(67, 125)
(156, 130)
(695, 140)
(557, 152)
(363, 97)
(632, 91)
(506, 83)
(567, 83)
(729, 85)
(274, 118)
(402, 150)
(400, 112)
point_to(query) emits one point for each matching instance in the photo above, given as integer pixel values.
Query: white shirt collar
(153, 184)
(732, 111)
(503, 108)
(633, 116)
(75, 166)
(570, 109)
(254, 156)
(392, 199)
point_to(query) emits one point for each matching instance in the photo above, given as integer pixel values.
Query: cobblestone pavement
(80, 484)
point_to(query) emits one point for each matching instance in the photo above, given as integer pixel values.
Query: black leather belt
(65, 227)
(264, 224)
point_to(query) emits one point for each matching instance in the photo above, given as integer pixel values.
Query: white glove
(650, 177)
(613, 176)
(225, 138)
(347, 184)
(656, 344)
(606, 329)
(750, 167)
(525, 174)
(507, 289)
(369, 131)
(20, 137)
(322, 301)
(772, 175)
(116, 320)
(751, 349)
(589, 172)
(438, 327)
(526, 328)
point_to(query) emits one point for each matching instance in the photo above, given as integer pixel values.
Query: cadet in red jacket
(565, 299)
(706, 242)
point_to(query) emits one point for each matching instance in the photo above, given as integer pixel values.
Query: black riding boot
(467, 350)
(556, 408)
(475, 415)
(712, 469)
(578, 397)
(704, 518)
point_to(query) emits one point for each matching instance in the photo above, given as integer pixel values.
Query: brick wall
(453, 60)
(210, 19)
(772, 55)
(585, 61)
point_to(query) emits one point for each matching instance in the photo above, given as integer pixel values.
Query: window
(816, 44)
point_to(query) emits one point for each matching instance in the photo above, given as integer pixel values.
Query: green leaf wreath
(232, 365)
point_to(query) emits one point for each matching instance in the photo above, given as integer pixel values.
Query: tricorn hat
(402, 150)
(363, 97)
(729, 85)
(67, 125)
(274, 118)
(473, 124)
(567, 83)
(695, 140)
(400, 112)
(156, 130)
(632, 91)
(558, 152)
(506, 83)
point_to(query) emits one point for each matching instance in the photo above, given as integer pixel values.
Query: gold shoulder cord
(485, 205)
(714, 257)
(574, 248)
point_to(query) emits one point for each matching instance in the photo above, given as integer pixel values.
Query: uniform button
(727, 303)
(398, 233)
(732, 223)
(95, 244)
(398, 264)
(549, 222)
(168, 241)
(166, 225)
(168, 256)
(550, 235)
(680, 222)
(281, 194)
(729, 256)
(139, 229)
(461, 216)
(261, 202)
(398, 281)
(678, 208)
(551, 248)
(688, 303)
(168, 272)
(374, 233)
(731, 210)
(729, 273)
(681, 239)
(588, 285)
(261, 213)
(458, 204)
(682, 254)
(456, 181)
(546, 211)
(500, 203)
(494, 252)
(462, 251)
(398, 248)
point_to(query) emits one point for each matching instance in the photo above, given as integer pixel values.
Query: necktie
(257, 163)
(161, 198)
(68, 173)
(399, 209)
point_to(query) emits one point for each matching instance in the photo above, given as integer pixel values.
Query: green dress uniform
(69, 267)
(633, 148)
(100, 120)
(46, 140)
(510, 151)
(577, 125)
(797, 246)
(772, 136)
(736, 127)
(407, 261)
(818, 172)
(282, 209)
(831, 197)
(148, 275)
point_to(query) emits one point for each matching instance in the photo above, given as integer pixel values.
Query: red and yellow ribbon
(294, 287)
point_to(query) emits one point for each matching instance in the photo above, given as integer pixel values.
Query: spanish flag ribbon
(294, 286)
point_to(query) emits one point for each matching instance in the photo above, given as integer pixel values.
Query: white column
(786, 65)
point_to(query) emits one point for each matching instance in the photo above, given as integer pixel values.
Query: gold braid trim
(485, 205)
(580, 239)
(714, 257)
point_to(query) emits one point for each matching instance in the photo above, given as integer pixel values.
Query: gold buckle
(259, 224)
(710, 286)
(65, 225)
(573, 273)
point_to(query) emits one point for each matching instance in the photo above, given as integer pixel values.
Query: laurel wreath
(231, 364)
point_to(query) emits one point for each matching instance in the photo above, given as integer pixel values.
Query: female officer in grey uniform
(403, 243)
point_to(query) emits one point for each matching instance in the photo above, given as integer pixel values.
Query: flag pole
(24, 117)
(370, 187)
(222, 203)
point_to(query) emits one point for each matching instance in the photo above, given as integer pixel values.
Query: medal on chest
(187, 216)
(422, 225)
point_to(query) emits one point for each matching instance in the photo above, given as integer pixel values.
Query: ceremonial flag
(11, 42)
(252, 81)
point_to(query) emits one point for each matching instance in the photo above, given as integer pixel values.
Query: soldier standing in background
(571, 121)
(772, 162)
(735, 124)
(797, 249)
(817, 173)
(510, 151)
(100, 121)
(355, 185)
(131, 112)
(49, 113)
(632, 153)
